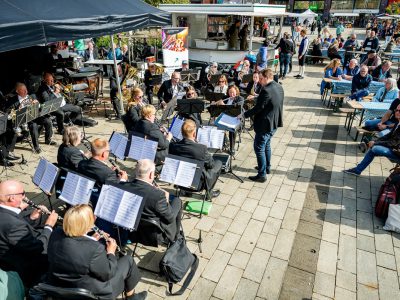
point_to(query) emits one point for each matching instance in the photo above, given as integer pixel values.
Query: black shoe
(38, 150)
(215, 193)
(267, 171)
(257, 178)
(7, 163)
(51, 143)
(11, 156)
(300, 77)
(297, 76)
(138, 296)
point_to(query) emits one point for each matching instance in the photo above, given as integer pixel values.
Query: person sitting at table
(118, 53)
(371, 42)
(169, 89)
(360, 84)
(372, 61)
(386, 122)
(80, 260)
(91, 52)
(135, 104)
(382, 72)
(387, 146)
(189, 148)
(52, 59)
(316, 50)
(331, 71)
(349, 46)
(390, 46)
(325, 44)
(333, 50)
(351, 69)
(196, 117)
(222, 85)
(147, 127)
(69, 155)
(387, 93)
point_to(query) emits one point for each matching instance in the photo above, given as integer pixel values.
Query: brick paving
(309, 232)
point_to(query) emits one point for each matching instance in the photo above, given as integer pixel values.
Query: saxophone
(159, 71)
(132, 78)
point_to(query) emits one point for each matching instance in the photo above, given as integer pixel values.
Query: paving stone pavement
(309, 232)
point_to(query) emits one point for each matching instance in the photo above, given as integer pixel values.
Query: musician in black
(22, 99)
(148, 77)
(114, 89)
(47, 92)
(196, 117)
(147, 127)
(169, 89)
(135, 104)
(254, 87)
(69, 155)
(80, 260)
(189, 148)
(7, 140)
(52, 58)
(22, 247)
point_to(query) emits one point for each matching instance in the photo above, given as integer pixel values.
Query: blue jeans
(373, 124)
(80, 52)
(370, 155)
(359, 95)
(262, 149)
(284, 60)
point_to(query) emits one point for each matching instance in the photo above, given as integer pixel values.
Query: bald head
(11, 193)
(145, 170)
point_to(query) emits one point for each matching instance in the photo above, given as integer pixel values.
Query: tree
(156, 3)
(393, 8)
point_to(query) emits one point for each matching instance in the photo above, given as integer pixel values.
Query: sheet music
(41, 168)
(228, 121)
(169, 170)
(149, 150)
(184, 176)
(216, 138)
(77, 189)
(175, 128)
(120, 151)
(203, 135)
(128, 211)
(48, 178)
(108, 203)
(142, 148)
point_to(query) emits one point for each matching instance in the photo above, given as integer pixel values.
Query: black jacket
(86, 56)
(156, 206)
(286, 46)
(80, 262)
(44, 93)
(97, 170)
(268, 111)
(133, 116)
(22, 248)
(69, 157)
(390, 140)
(192, 150)
(165, 93)
(257, 88)
(150, 129)
(359, 83)
(377, 72)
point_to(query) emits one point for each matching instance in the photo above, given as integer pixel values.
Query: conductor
(268, 114)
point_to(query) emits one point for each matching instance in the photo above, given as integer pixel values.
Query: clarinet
(103, 235)
(117, 170)
(45, 212)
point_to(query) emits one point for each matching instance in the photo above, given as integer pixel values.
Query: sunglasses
(397, 110)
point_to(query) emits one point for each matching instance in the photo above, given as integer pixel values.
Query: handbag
(176, 262)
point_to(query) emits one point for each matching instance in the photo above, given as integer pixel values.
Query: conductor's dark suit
(166, 91)
(192, 150)
(157, 207)
(69, 157)
(150, 129)
(22, 248)
(97, 170)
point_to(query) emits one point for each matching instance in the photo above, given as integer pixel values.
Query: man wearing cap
(372, 61)
(185, 66)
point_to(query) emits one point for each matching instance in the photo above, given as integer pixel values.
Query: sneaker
(363, 147)
(352, 171)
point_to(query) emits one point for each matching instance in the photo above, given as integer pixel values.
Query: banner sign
(175, 47)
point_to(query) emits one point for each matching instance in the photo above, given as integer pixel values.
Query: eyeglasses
(15, 194)
(396, 110)
(190, 94)
(141, 96)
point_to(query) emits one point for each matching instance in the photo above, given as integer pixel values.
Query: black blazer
(69, 157)
(150, 129)
(80, 262)
(44, 93)
(86, 56)
(257, 89)
(166, 92)
(97, 170)
(133, 116)
(11, 103)
(268, 111)
(22, 248)
(377, 72)
(156, 206)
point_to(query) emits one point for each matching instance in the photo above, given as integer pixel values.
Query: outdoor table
(108, 62)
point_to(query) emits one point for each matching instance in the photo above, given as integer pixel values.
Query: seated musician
(22, 247)
(254, 87)
(148, 77)
(135, 104)
(169, 89)
(189, 148)
(7, 140)
(52, 58)
(244, 71)
(96, 167)
(69, 155)
(159, 205)
(49, 91)
(185, 66)
(382, 72)
(196, 117)
(91, 52)
(22, 99)
(222, 85)
(79, 260)
(213, 70)
(147, 127)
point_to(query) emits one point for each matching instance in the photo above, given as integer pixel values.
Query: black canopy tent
(29, 23)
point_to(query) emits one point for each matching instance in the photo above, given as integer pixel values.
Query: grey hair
(392, 82)
(144, 167)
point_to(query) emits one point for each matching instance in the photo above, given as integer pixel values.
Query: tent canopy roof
(306, 14)
(28, 23)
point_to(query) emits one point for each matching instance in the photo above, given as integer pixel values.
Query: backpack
(388, 194)
(176, 262)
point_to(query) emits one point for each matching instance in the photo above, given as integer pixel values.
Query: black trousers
(149, 94)
(60, 114)
(126, 277)
(34, 130)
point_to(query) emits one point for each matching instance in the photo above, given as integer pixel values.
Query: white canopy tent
(308, 14)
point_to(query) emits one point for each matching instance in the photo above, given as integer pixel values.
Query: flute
(103, 235)
(45, 212)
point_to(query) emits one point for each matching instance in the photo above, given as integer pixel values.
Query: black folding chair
(47, 291)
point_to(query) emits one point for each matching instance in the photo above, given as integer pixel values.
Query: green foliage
(393, 8)
(156, 3)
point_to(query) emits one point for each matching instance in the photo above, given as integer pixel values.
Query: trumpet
(44, 211)
(66, 91)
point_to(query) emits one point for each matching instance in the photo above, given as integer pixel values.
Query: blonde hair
(132, 100)
(233, 87)
(147, 111)
(333, 63)
(223, 77)
(78, 220)
(71, 136)
(191, 89)
(188, 127)
(98, 146)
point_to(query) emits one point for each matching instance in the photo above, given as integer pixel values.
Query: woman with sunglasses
(387, 146)
(222, 86)
(135, 104)
(196, 117)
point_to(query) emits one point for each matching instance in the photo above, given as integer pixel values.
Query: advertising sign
(175, 47)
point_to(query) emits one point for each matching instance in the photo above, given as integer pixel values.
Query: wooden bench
(364, 132)
(321, 58)
(348, 112)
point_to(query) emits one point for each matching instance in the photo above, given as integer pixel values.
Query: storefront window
(315, 6)
(341, 5)
(218, 25)
(367, 4)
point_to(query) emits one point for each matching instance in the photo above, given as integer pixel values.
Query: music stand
(247, 78)
(190, 106)
(146, 152)
(232, 110)
(45, 178)
(191, 75)
(50, 106)
(25, 115)
(213, 97)
(214, 79)
(76, 189)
